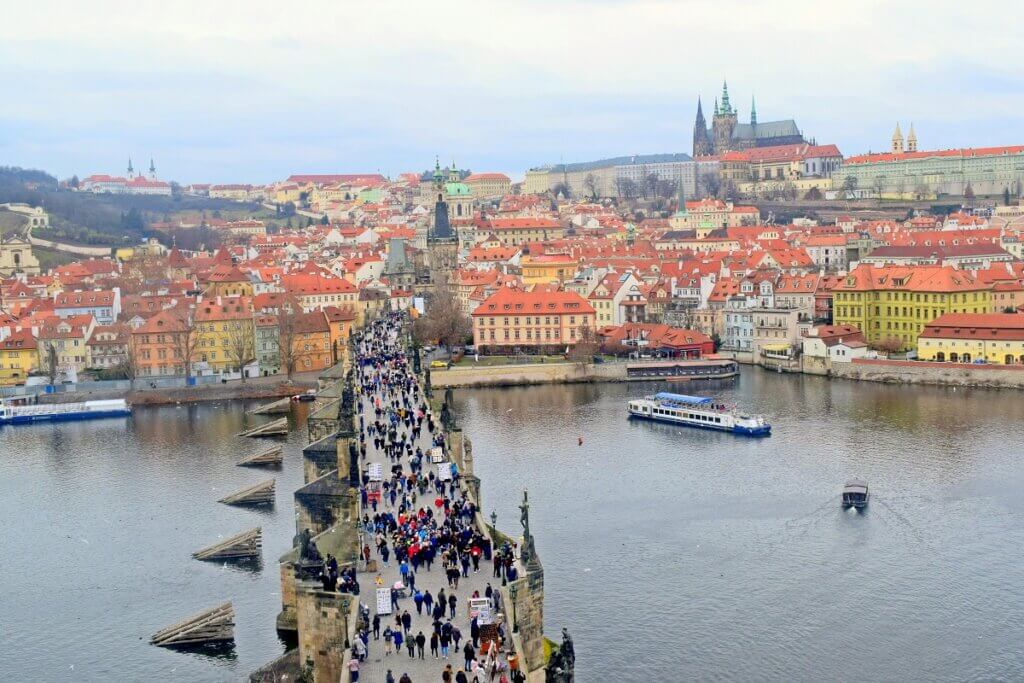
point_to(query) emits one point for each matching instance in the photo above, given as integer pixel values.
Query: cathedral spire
(726, 109)
(131, 171)
(753, 111)
(717, 111)
(701, 142)
(897, 140)
(911, 139)
(152, 169)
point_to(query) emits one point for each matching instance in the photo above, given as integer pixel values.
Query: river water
(670, 553)
(681, 554)
(99, 522)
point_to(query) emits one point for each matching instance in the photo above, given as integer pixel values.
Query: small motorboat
(855, 494)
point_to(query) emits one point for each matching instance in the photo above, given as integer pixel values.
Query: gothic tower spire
(726, 109)
(911, 139)
(753, 111)
(131, 171)
(701, 141)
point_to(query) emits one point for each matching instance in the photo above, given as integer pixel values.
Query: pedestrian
(405, 679)
(421, 641)
(474, 632)
(469, 653)
(418, 599)
(406, 622)
(446, 640)
(397, 637)
(433, 644)
(394, 599)
(456, 635)
(389, 677)
(376, 627)
(353, 669)
(428, 602)
(451, 603)
(387, 640)
(410, 645)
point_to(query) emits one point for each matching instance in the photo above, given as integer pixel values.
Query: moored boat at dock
(63, 412)
(697, 411)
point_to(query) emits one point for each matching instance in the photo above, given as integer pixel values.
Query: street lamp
(494, 520)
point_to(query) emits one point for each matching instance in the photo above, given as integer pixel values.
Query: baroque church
(727, 134)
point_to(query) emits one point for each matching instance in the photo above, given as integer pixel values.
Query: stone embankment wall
(527, 373)
(917, 372)
(69, 248)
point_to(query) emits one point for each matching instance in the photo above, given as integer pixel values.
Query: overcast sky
(225, 91)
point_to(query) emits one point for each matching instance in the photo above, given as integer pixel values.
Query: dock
(271, 457)
(215, 625)
(278, 427)
(258, 494)
(279, 407)
(246, 545)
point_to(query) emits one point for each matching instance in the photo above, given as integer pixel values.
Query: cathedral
(728, 135)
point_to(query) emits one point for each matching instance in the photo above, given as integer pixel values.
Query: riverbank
(939, 374)
(255, 388)
(528, 374)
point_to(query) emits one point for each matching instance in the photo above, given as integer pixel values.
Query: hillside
(103, 219)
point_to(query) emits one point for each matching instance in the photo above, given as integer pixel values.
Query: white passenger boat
(63, 412)
(698, 411)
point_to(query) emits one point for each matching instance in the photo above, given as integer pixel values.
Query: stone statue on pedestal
(426, 383)
(562, 663)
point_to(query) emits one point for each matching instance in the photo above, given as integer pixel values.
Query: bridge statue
(562, 663)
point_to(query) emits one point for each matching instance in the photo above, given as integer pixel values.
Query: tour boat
(63, 412)
(855, 494)
(698, 411)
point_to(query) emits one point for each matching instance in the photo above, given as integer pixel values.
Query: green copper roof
(457, 189)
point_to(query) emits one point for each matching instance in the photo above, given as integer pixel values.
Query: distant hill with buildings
(106, 219)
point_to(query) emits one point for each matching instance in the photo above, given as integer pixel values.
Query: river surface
(99, 521)
(675, 554)
(670, 553)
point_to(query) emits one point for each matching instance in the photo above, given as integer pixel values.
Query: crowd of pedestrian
(417, 519)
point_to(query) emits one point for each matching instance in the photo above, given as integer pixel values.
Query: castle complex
(728, 135)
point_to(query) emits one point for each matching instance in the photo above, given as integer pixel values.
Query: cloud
(232, 91)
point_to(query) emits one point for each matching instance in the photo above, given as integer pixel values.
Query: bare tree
(587, 344)
(129, 365)
(878, 184)
(969, 194)
(241, 344)
(711, 183)
(287, 334)
(185, 341)
(650, 181)
(444, 322)
(592, 185)
(850, 184)
(901, 185)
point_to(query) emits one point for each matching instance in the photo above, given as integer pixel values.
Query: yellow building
(488, 185)
(18, 357)
(996, 338)
(16, 257)
(228, 280)
(339, 321)
(891, 305)
(225, 333)
(544, 269)
(537, 181)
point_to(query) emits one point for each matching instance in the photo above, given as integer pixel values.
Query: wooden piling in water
(248, 544)
(258, 494)
(276, 427)
(271, 457)
(215, 625)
